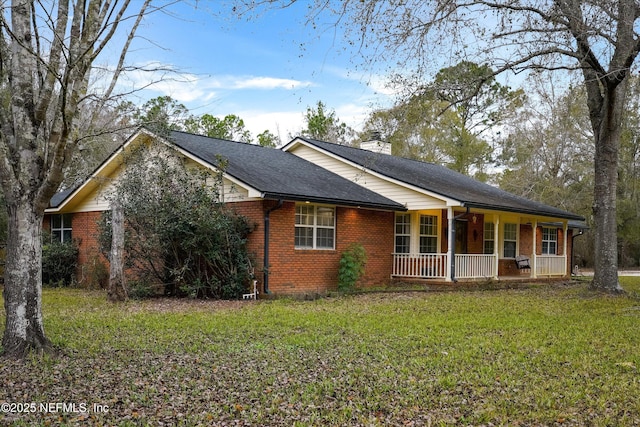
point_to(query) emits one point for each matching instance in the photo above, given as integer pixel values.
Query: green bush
(95, 274)
(352, 263)
(59, 263)
(178, 231)
(141, 289)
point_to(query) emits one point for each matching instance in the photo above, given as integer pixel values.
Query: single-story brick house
(311, 199)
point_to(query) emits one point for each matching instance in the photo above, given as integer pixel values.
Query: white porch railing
(431, 266)
(468, 266)
(551, 265)
(475, 266)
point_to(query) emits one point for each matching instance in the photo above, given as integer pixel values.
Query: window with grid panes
(510, 240)
(61, 230)
(549, 241)
(489, 237)
(315, 227)
(428, 234)
(403, 233)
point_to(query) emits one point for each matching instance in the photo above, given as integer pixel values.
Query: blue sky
(266, 70)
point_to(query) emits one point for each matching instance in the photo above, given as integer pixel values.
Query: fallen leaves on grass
(530, 358)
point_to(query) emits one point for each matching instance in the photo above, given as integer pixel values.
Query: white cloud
(268, 83)
(377, 82)
(383, 86)
(289, 123)
(188, 87)
(354, 115)
(280, 123)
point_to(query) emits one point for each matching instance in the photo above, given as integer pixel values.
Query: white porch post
(496, 248)
(450, 243)
(535, 250)
(565, 230)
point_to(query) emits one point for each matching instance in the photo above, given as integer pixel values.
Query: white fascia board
(449, 202)
(252, 192)
(101, 168)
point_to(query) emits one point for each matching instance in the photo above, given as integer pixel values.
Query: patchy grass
(553, 355)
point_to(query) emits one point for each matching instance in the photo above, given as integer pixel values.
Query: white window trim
(315, 227)
(414, 233)
(503, 240)
(555, 240)
(63, 227)
(420, 235)
(493, 236)
(395, 234)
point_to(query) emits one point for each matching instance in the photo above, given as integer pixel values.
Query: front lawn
(552, 355)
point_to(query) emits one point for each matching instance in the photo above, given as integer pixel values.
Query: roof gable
(266, 172)
(436, 179)
(278, 174)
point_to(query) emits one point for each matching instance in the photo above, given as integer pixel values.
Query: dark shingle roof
(442, 181)
(278, 174)
(60, 197)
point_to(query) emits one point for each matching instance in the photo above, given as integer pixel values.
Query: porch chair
(522, 262)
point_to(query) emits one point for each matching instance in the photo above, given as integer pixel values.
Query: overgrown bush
(95, 274)
(59, 263)
(352, 263)
(141, 289)
(178, 232)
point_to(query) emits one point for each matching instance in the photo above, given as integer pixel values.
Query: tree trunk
(117, 288)
(605, 189)
(24, 330)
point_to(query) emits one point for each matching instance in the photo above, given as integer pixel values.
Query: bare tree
(117, 290)
(596, 37)
(47, 51)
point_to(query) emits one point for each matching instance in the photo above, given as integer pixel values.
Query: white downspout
(534, 256)
(450, 243)
(496, 249)
(564, 251)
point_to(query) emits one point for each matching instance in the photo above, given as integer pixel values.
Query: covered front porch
(473, 266)
(451, 245)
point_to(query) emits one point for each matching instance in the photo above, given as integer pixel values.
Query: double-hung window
(61, 228)
(510, 240)
(403, 233)
(489, 237)
(549, 241)
(315, 227)
(428, 234)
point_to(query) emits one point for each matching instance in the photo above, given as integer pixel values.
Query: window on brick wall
(61, 227)
(315, 227)
(510, 240)
(549, 241)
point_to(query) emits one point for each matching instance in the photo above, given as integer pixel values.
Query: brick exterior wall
(526, 240)
(93, 267)
(475, 233)
(295, 271)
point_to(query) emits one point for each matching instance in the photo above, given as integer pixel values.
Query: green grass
(541, 356)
